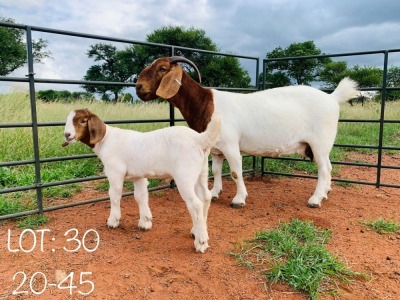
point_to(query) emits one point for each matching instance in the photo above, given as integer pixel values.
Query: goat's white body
(164, 153)
(276, 122)
(271, 124)
(174, 152)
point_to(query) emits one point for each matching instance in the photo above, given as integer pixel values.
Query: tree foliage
(366, 76)
(62, 96)
(125, 65)
(324, 70)
(216, 71)
(298, 71)
(115, 66)
(13, 48)
(393, 81)
(332, 73)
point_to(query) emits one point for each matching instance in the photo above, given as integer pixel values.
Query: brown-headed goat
(294, 119)
(178, 152)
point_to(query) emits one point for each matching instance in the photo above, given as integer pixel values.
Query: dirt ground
(162, 264)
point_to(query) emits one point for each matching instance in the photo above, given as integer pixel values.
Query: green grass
(368, 133)
(295, 254)
(10, 205)
(382, 226)
(32, 221)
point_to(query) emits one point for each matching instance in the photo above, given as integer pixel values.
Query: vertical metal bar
(172, 119)
(35, 134)
(254, 165)
(264, 70)
(264, 74)
(257, 73)
(171, 107)
(382, 119)
(262, 166)
(258, 88)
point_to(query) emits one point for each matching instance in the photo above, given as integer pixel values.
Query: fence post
(172, 119)
(382, 119)
(35, 134)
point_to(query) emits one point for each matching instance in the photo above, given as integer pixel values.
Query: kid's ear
(170, 83)
(97, 129)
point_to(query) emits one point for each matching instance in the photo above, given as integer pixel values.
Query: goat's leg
(235, 164)
(201, 189)
(324, 179)
(141, 195)
(217, 162)
(115, 192)
(196, 210)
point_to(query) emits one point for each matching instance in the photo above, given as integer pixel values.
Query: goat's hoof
(237, 205)
(112, 223)
(145, 223)
(145, 227)
(314, 205)
(215, 198)
(201, 247)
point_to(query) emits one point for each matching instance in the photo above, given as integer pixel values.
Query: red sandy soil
(162, 264)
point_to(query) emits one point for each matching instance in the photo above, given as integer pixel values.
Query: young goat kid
(178, 152)
(287, 120)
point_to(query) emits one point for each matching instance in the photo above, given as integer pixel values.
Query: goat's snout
(68, 136)
(67, 139)
(143, 92)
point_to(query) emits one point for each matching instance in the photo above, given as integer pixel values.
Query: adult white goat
(294, 119)
(178, 152)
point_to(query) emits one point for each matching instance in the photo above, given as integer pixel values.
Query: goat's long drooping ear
(97, 129)
(170, 83)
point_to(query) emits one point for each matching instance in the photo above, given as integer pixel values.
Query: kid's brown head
(83, 125)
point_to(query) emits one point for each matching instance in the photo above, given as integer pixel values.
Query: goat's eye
(83, 121)
(162, 69)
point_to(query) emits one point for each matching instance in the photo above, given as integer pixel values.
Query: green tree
(217, 71)
(116, 66)
(332, 73)
(125, 65)
(302, 71)
(393, 80)
(62, 96)
(275, 79)
(13, 48)
(367, 76)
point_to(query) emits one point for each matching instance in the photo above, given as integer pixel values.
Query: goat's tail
(346, 90)
(210, 136)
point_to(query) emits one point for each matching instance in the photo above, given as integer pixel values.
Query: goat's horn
(175, 59)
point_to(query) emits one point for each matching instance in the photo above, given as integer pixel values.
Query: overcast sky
(251, 28)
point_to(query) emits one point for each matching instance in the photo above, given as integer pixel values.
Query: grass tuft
(382, 226)
(295, 254)
(33, 221)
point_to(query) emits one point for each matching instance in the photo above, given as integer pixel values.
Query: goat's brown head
(162, 78)
(83, 125)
